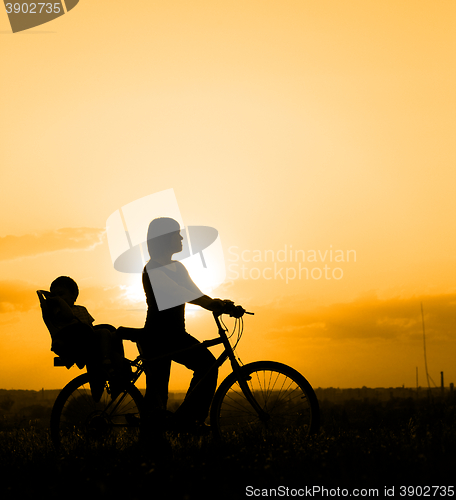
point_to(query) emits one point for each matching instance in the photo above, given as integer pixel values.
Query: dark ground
(361, 444)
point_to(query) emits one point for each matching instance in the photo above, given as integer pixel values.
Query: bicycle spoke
(78, 419)
(298, 394)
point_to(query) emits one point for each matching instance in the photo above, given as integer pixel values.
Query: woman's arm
(206, 302)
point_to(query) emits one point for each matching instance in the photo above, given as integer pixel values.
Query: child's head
(66, 288)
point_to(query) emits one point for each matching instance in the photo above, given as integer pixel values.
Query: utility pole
(424, 345)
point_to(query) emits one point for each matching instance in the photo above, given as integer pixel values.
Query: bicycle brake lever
(245, 312)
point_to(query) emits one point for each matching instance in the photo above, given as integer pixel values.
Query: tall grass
(361, 444)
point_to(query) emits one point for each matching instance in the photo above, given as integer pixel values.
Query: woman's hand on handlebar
(233, 310)
(219, 306)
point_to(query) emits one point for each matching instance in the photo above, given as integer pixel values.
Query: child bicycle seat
(65, 358)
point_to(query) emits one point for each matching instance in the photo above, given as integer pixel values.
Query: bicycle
(259, 398)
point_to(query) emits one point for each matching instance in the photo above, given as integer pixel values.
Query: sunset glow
(317, 138)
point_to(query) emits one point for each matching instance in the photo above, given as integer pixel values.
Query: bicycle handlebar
(233, 311)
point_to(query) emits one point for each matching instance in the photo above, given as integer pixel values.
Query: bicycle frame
(227, 353)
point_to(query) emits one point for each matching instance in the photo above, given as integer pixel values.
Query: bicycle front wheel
(80, 420)
(288, 405)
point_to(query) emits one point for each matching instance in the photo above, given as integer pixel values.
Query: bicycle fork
(243, 384)
(241, 377)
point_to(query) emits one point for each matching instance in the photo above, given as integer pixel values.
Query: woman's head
(163, 237)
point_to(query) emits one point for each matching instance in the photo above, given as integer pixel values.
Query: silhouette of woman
(168, 287)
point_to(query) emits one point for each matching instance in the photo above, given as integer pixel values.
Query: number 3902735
(426, 491)
(33, 8)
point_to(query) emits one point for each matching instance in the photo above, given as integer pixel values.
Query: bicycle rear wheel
(290, 407)
(80, 420)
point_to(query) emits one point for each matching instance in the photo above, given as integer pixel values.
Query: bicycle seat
(61, 361)
(132, 334)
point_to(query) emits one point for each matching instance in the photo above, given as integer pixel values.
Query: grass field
(361, 444)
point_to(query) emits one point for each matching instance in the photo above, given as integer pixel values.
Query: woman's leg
(204, 382)
(157, 376)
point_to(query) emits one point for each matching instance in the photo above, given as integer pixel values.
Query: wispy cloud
(27, 245)
(17, 296)
(20, 296)
(369, 318)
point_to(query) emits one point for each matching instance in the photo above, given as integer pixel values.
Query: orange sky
(292, 125)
